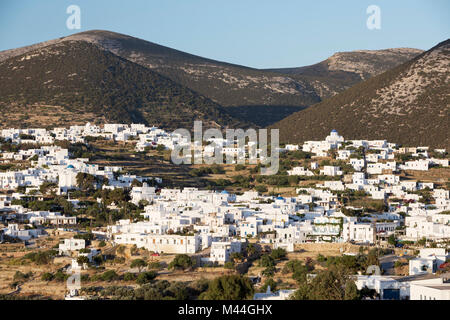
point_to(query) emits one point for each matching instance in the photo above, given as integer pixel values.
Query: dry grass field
(303, 252)
(45, 116)
(11, 256)
(436, 175)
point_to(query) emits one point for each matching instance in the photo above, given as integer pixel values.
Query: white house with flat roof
(221, 251)
(430, 289)
(69, 245)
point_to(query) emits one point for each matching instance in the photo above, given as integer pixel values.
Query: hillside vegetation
(261, 97)
(84, 80)
(408, 104)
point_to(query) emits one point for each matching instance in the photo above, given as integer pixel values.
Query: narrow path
(17, 290)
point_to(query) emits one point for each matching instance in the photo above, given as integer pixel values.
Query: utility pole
(374, 227)
(365, 162)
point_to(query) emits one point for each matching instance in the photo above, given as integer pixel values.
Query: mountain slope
(259, 96)
(344, 69)
(226, 84)
(82, 82)
(409, 104)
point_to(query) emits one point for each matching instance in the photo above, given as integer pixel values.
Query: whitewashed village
(408, 221)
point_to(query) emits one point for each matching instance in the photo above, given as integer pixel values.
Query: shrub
(47, 276)
(109, 276)
(82, 260)
(232, 287)
(278, 253)
(129, 276)
(236, 256)
(20, 276)
(60, 276)
(138, 263)
(269, 271)
(181, 261)
(266, 261)
(42, 257)
(98, 260)
(269, 282)
(155, 265)
(146, 277)
(261, 188)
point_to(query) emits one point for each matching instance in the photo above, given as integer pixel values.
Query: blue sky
(255, 33)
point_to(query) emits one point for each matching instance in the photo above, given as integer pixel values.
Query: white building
(142, 193)
(69, 245)
(269, 295)
(161, 243)
(428, 261)
(331, 171)
(300, 171)
(430, 289)
(221, 251)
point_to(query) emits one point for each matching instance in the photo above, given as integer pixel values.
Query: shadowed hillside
(409, 104)
(88, 83)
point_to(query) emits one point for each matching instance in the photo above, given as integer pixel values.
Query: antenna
(374, 226)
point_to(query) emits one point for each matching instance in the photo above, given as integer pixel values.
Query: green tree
(269, 271)
(46, 186)
(229, 287)
(269, 282)
(278, 253)
(60, 276)
(129, 276)
(109, 276)
(329, 284)
(392, 240)
(372, 257)
(82, 260)
(146, 277)
(351, 291)
(181, 261)
(251, 250)
(155, 265)
(86, 182)
(138, 263)
(236, 256)
(266, 261)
